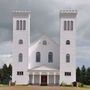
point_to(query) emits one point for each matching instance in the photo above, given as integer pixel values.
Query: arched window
(67, 58)
(20, 24)
(20, 41)
(71, 25)
(68, 42)
(20, 57)
(64, 25)
(50, 57)
(68, 25)
(17, 25)
(38, 56)
(24, 25)
(44, 42)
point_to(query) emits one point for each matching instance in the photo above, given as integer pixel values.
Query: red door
(43, 79)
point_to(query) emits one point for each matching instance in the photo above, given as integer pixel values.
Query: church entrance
(44, 80)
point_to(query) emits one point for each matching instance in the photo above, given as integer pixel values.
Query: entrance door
(43, 79)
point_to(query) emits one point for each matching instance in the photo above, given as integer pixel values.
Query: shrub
(74, 84)
(80, 84)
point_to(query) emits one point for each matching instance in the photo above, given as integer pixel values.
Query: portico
(49, 76)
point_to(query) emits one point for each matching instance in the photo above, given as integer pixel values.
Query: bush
(74, 84)
(80, 84)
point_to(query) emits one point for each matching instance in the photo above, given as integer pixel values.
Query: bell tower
(67, 46)
(21, 43)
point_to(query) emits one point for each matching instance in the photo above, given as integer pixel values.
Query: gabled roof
(43, 37)
(43, 67)
(36, 43)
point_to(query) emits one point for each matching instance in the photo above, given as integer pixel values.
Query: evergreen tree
(5, 70)
(83, 74)
(10, 69)
(1, 75)
(78, 74)
(88, 76)
(5, 74)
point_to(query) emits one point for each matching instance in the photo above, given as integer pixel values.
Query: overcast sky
(45, 19)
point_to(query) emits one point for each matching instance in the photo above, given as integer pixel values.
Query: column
(47, 78)
(54, 78)
(40, 78)
(33, 77)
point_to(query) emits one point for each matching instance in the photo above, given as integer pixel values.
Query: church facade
(44, 62)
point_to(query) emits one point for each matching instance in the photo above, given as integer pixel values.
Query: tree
(78, 74)
(88, 76)
(83, 74)
(5, 70)
(5, 74)
(10, 69)
(1, 76)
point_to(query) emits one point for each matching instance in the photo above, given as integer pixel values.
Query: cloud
(5, 34)
(83, 56)
(6, 48)
(5, 59)
(44, 15)
(45, 19)
(6, 53)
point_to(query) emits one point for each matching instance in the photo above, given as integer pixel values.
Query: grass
(5, 87)
(87, 86)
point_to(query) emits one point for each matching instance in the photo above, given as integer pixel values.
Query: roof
(43, 37)
(42, 68)
(36, 43)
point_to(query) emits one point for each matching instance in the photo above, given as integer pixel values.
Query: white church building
(44, 62)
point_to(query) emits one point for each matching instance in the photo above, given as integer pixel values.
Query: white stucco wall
(65, 49)
(44, 50)
(29, 52)
(23, 48)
